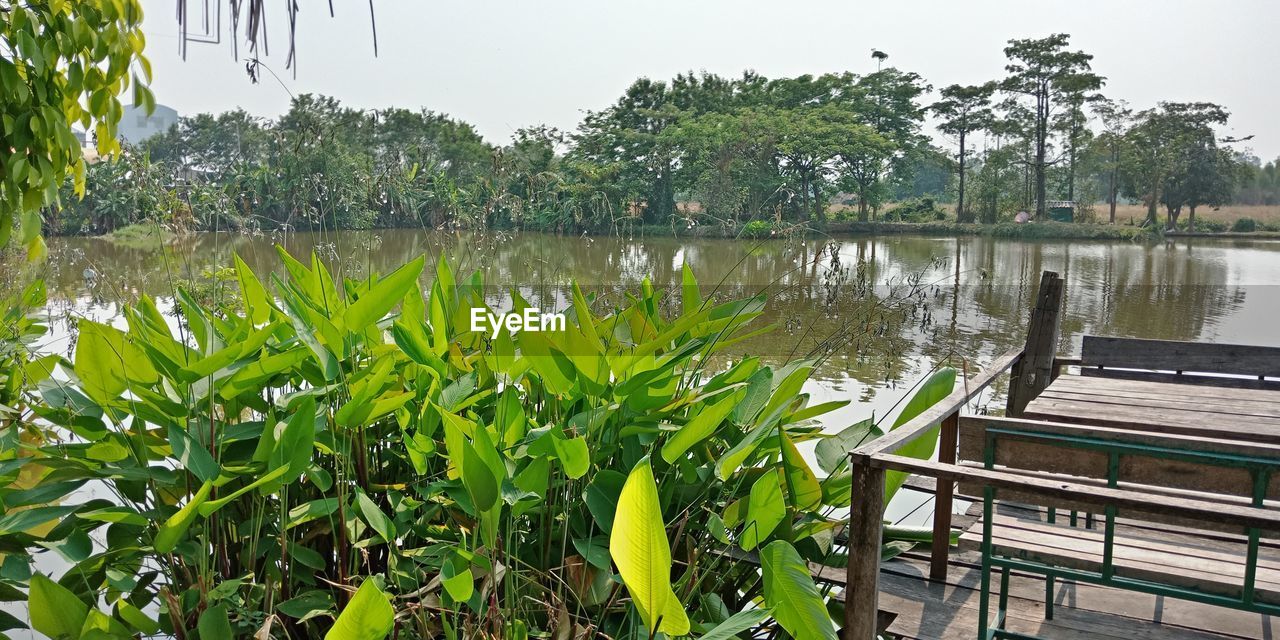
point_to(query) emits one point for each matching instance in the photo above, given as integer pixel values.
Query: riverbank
(144, 235)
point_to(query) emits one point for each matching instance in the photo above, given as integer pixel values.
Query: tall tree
(1115, 116)
(1045, 72)
(964, 110)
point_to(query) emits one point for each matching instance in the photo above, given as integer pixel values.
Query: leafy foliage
(62, 64)
(263, 458)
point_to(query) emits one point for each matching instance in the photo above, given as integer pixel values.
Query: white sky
(504, 64)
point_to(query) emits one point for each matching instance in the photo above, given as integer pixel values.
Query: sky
(506, 64)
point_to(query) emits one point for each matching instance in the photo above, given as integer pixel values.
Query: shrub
(757, 229)
(1244, 225)
(922, 209)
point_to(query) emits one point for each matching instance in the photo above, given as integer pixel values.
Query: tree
(1157, 157)
(62, 65)
(964, 110)
(1046, 73)
(1116, 117)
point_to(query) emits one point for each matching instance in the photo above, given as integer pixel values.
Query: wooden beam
(1173, 355)
(1206, 510)
(866, 518)
(949, 405)
(942, 503)
(1036, 369)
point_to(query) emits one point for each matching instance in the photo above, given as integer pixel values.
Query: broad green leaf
(135, 618)
(700, 427)
(368, 616)
(105, 362)
(933, 391)
(215, 624)
(802, 484)
(690, 297)
(601, 496)
(737, 623)
(177, 524)
(297, 442)
(834, 450)
(765, 510)
(382, 296)
(573, 454)
(789, 590)
(478, 478)
(376, 518)
(55, 611)
(639, 546)
(256, 301)
(192, 455)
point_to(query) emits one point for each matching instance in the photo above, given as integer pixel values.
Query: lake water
(881, 312)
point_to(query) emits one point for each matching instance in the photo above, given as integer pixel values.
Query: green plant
(265, 458)
(1244, 225)
(757, 229)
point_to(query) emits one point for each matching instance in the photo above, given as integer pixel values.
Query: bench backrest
(1174, 361)
(1168, 465)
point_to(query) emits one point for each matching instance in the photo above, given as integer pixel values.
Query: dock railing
(1032, 368)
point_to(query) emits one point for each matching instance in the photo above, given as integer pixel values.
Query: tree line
(701, 149)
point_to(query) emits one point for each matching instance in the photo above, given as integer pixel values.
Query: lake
(880, 312)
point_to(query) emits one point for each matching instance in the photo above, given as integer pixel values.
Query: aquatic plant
(351, 458)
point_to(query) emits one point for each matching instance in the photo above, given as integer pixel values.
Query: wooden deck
(1177, 444)
(921, 609)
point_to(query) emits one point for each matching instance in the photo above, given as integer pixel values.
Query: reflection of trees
(971, 305)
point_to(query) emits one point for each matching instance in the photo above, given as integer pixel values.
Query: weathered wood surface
(1040, 456)
(1169, 355)
(1210, 412)
(968, 389)
(1214, 510)
(1164, 559)
(930, 610)
(1035, 370)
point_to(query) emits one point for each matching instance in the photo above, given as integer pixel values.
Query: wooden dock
(916, 608)
(1137, 498)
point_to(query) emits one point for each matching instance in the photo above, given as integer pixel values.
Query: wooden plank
(1153, 510)
(1212, 511)
(1211, 395)
(1253, 428)
(1190, 545)
(946, 611)
(1077, 549)
(1036, 369)
(1029, 453)
(941, 544)
(1169, 355)
(1189, 379)
(1189, 403)
(977, 425)
(866, 519)
(930, 417)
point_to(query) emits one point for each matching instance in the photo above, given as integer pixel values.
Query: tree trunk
(1042, 123)
(1111, 190)
(1153, 202)
(1191, 217)
(961, 216)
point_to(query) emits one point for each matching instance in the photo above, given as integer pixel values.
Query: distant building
(136, 126)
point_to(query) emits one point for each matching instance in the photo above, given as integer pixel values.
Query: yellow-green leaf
(639, 547)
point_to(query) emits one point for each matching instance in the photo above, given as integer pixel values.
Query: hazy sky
(501, 65)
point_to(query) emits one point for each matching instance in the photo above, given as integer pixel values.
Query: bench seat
(1166, 558)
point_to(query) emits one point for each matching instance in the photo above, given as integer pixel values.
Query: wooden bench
(1214, 546)
(1199, 363)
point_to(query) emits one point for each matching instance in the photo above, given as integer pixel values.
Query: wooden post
(1034, 371)
(942, 500)
(866, 518)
